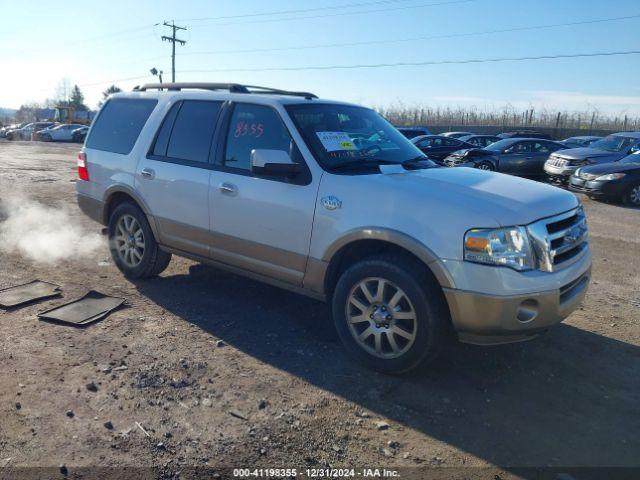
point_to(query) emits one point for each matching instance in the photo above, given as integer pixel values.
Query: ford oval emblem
(330, 202)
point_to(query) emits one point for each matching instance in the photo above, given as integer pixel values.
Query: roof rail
(231, 87)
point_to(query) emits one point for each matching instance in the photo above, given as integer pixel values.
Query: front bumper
(611, 189)
(559, 173)
(488, 318)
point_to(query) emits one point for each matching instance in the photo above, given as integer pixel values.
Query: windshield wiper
(369, 162)
(415, 161)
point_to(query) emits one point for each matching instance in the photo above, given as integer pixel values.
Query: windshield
(499, 146)
(614, 143)
(343, 134)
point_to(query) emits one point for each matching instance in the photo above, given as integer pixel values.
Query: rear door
(259, 223)
(540, 152)
(173, 178)
(516, 159)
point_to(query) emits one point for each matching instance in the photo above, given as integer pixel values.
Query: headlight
(611, 176)
(508, 247)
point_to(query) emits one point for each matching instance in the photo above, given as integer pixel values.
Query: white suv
(328, 199)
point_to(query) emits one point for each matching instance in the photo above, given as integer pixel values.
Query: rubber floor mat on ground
(28, 292)
(92, 307)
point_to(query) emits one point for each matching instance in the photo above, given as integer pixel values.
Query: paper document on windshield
(336, 141)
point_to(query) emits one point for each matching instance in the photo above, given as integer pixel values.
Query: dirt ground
(208, 369)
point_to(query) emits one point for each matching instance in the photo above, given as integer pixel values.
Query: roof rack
(231, 87)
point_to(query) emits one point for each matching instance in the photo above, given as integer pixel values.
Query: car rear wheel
(133, 247)
(389, 315)
(632, 197)
(486, 166)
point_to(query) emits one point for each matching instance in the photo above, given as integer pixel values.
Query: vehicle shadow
(569, 398)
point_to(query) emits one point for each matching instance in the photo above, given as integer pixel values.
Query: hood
(587, 152)
(491, 197)
(611, 167)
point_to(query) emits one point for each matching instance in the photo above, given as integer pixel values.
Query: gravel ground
(207, 369)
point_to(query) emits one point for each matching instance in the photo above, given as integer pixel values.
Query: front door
(174, 178)
(260, 224)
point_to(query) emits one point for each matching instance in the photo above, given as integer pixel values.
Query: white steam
(43, 234)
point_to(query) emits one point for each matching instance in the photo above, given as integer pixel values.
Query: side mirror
(273, 162)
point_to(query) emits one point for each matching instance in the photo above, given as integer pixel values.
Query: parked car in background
(561, 165)
(412, 132)
(7, 128)
(524, 134)
(524, 157)
(479, 141)
(437, 147)
(25, 132)
(455, 134)
(610, 181)
(580, 141)
(58, 133)
(79, 134)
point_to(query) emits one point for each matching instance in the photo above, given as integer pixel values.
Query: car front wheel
(632, 197)
(486, 166)
(389, 314)
(133, 247)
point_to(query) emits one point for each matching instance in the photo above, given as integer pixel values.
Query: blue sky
(91, 43)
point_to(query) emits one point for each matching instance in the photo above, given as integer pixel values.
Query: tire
(423, 300)
(46, 137)
(486, 166)
(632, 197)
(132, 244)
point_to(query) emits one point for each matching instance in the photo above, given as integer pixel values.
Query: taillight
(83, 172)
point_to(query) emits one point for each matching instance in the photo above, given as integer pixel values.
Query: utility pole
(173, 41)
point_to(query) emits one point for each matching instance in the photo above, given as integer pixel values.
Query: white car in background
(60, 133)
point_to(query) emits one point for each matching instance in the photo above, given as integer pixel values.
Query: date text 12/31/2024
(315, 473)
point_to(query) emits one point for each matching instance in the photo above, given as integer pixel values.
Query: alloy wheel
(381, 318)
(634, 195)
(129, 241)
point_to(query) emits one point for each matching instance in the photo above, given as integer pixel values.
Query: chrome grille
(557, 161)
(558, 241)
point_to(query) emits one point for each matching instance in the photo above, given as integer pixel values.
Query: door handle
(148, 173)
(228, 188)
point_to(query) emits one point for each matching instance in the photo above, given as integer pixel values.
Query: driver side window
(254, 127)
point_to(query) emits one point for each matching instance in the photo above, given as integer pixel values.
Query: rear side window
(119, 123)
(187, 130)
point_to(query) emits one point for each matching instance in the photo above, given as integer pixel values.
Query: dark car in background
(523, 157)
(412, 132)
(610, 181)
(525, 134)
(479, 141)
(79, 134)
(562, 165)
(580, 141)
(25, 132)
(6, 129)
(437, 147)
(455, 134)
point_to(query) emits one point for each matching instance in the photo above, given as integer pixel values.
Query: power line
(412, 39)
(342, 14)
(384, 65)
(173, 40)
(416, 64)
(283, 12)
